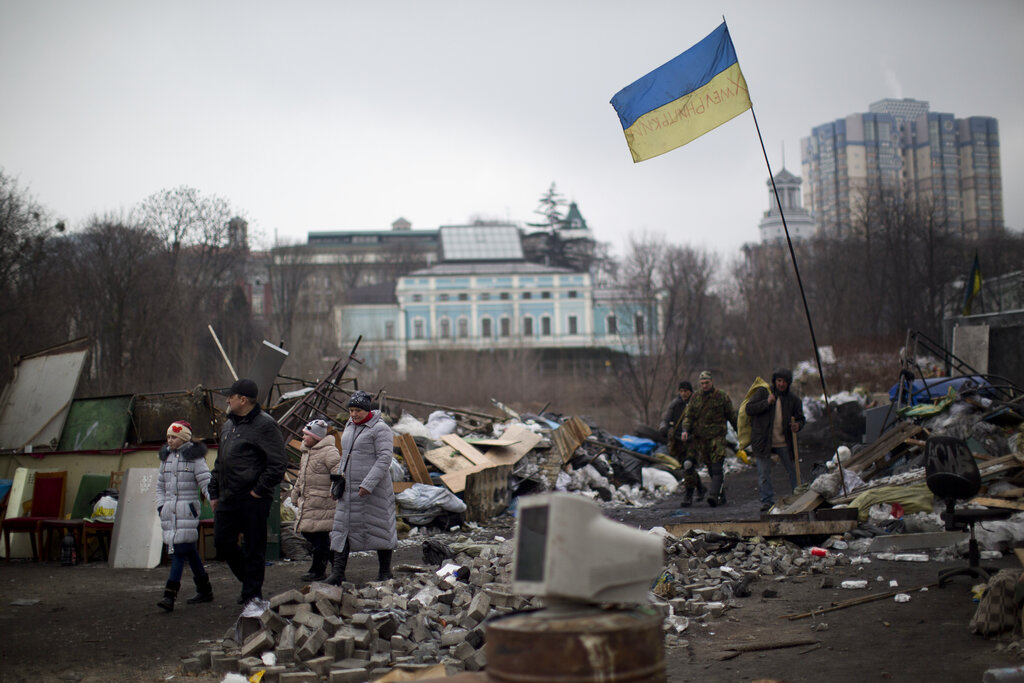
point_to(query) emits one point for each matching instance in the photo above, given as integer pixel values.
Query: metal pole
(223, 355)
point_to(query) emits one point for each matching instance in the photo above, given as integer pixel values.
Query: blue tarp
(925, 390)
(635, 443)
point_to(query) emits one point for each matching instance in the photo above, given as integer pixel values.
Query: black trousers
(247, 517)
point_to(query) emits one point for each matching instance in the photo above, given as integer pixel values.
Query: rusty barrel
(592, 645)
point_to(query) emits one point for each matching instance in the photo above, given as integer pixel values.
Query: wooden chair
(205, 527)
(90, 486)
(48, 492)
(101, 531)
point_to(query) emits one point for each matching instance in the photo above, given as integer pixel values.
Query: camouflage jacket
(707, 413)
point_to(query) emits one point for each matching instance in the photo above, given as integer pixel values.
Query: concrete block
(477, 661)
(310, 620)
(285, 655)
(320, 665)
(273, 621)
(190, 666)
(339, 646)
(463, 651)
(293, 608)
(204, 658)
(272, 674)
(298, 677)
(453, 637)
(246, 664)
(479, 606)
(399, 645)
(326, 608)
(257, 643)
(291, 596)
(362, 620)
(223, 663)
(332, 624)
(313, 646)
(346, 676)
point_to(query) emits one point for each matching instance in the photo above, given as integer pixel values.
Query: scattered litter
(854, 584)
(901, 597)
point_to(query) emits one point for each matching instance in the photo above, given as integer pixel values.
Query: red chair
(47, 503)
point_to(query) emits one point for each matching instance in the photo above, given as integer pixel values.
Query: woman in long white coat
(312, 495)
(364, 517)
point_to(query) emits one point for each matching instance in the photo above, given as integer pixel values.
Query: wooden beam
(413, 459)
(768, 527)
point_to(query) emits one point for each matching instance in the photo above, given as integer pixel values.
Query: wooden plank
(568, 437)
(413, 459)
(767, 527)
(999, 503)
(447, 459)
(455, 477)
(491, 442)
(809, 500)
(486, 493)
(469, 452)
(399, 486)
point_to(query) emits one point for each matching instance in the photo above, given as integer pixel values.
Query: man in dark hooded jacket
(775, 416)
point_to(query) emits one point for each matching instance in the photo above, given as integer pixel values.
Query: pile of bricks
(355, 633)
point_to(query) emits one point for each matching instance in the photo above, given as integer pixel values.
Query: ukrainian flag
(679, 101)
(973, 285)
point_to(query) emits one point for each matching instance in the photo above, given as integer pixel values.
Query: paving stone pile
(426, 616)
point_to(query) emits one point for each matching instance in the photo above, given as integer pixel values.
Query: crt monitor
(567, 550)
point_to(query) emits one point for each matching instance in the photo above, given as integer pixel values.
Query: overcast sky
(311, 116)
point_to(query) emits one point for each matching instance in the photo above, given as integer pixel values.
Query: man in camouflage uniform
(704, 430)
(671, 427)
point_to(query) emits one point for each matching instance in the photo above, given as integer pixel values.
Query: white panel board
(37, 401)
(137, 541)
(970, 344)
(21, 490)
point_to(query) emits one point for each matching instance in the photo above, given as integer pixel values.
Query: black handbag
(337, 485)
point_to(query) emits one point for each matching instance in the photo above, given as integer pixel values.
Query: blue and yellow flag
(972, 286)
(679, 101)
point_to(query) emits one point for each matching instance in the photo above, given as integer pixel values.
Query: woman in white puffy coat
(183, 474)
(312, 495)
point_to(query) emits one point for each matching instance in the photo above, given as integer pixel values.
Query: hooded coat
(183, 474)
(367, 522)
(762, 414)
(312, 490)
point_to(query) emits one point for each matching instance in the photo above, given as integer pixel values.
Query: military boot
(338, 563)
(687, 497)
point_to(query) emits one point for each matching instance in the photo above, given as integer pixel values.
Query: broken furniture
(952, 474)
(90, 487)
(47, 503)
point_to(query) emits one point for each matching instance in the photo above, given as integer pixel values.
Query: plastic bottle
(68, 556)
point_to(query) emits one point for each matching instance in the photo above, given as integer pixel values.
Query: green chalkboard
(97, 424)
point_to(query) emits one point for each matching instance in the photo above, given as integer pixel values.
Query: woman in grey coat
(183, 474)
(364, 518)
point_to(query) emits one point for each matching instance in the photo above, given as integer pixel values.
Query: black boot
(316, 571)
(384, 565)
(170, 593)
(716, 495)
(204, 591)
(702, 490)
(338, 563)
(687, 497)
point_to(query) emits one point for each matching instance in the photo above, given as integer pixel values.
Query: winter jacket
(183, 474)
(706, 414)
(312, 490)
(671, 418)
(367, 522)
(762, 414)
(251, 458)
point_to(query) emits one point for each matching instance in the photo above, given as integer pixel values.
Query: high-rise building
(900, 147)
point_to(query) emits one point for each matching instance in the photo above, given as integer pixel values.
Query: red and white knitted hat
(180, 429)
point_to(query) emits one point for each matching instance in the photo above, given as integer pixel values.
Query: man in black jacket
(775, 416)
(250, 463)
(671, 427)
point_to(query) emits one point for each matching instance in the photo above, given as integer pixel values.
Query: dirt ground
(96, 624)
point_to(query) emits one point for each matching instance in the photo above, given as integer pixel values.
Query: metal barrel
(612, 647)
